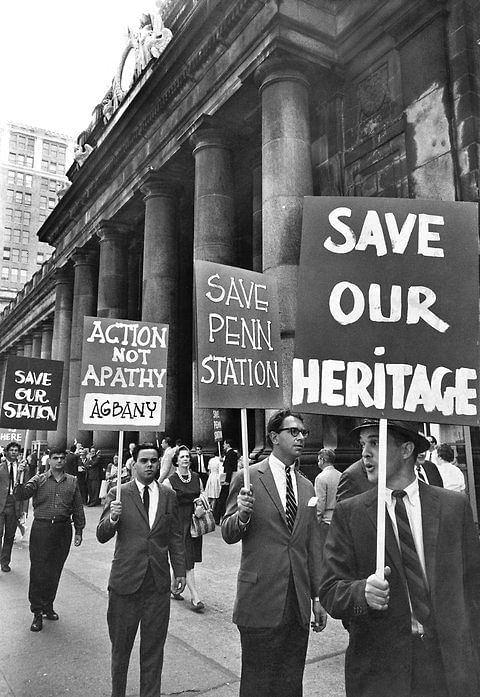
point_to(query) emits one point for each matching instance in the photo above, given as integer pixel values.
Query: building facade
(33, 164)
(222, 116)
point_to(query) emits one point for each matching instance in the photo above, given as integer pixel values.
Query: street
(72, 656)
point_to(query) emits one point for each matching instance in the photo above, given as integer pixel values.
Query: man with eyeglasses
(278, 580)
(56, 502)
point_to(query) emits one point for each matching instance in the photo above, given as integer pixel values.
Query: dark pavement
(72, 656)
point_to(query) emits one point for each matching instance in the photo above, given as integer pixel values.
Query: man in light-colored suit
(148, 529)
(8, 505)
(279, 575)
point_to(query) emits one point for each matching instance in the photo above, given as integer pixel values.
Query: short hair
(56, 450)
(276, 420)
(180, 448)
(167, 440)
(446, 452)
(12, 444)
(327, 454)
(144, 446)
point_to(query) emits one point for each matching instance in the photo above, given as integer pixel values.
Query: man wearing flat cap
(415, 633)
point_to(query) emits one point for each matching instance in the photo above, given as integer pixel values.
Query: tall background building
(33, 163)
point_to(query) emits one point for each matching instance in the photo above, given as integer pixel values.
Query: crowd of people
(308, 549)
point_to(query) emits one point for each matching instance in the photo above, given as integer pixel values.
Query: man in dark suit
(148, 529)
(414, 633)
(9, 513)
(230, 465)
(199, 464)
(353, 481)
(277, 588)
(427, 471)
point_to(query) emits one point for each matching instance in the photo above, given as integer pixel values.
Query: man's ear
(408, 448)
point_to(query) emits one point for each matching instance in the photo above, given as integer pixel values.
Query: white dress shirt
(278, 470)
(153, 505)
(452, 476)
(414, 514)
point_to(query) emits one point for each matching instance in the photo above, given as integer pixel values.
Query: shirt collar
(276, 462)
(141, 486)
(50, 474)
(411, 491)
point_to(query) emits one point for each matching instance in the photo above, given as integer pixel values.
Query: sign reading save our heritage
(239, 361)
(123, 378)
(31, 394)
(387, 320)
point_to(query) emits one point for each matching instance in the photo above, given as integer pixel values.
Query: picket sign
(120, 458)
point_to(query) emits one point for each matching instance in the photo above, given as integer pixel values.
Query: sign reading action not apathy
(123, 378)
(239, 361)
(387, 320)
(31, 395)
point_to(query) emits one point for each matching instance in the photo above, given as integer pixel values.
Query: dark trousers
(8, 525)
(82, 485)
(49, 547)
(428, 674)
(273, 658)
(221, 503)
(151, 610)
(93, 487)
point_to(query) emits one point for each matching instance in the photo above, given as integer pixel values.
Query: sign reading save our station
(124, 372)
(387, 320)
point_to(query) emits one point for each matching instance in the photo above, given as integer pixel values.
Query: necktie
(420, 474)
(411, 563)
(146, 499)
(291, 504)
(10, 480)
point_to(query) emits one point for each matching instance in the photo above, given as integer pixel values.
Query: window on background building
(17, 216)
(18, 197)
(10, 193)
(40, 258)
(11, 177)
(51, 203)
(15, 254)
(43, 202)
(25, 237)
(5, 273)
(8, 216)
(28, 181)
(16, 236)
(7, 235)
(14, 275)
(41, 218)
(6, 253)
(24, 256)
(27, 199)
(23, 275)
(27, 217)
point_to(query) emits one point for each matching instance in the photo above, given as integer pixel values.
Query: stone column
(46, 353)
(286, 179)
(160, 278)
(20, 349)
(36, 353)
(213, 239)
(27, 346)
(257, 265)
(62, 325)
(84, 304)
(112, 295)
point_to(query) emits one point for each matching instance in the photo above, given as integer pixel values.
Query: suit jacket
(433, 475)
(4, 485)
(195, 467)
(353, 481)
(137, 545)
(230, 465)
(270, 553)
(378, 659)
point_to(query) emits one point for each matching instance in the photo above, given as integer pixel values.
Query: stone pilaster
(62, 325)
(160, 280)
(257, 265)
(37, 343)
(27, 346)
(213, 239)
(84, 304)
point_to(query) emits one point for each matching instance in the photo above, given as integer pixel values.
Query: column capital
(63, 275)
(280, 67)
(84, 257)
(108, 230)
(47, 326)
(210, 137)
(37, 333)
(156, 184)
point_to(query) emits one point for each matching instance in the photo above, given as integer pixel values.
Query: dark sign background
(453, 278)
(32, 368)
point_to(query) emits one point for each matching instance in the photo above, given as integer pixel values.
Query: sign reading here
(387, 321)
(239, 361)
(123, 378)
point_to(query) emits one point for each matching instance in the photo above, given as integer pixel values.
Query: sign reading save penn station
(124, 373)
(387, 321)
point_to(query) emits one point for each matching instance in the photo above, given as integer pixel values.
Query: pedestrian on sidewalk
(279, 574)
(9, 510)
(147, 524)
(56, 501)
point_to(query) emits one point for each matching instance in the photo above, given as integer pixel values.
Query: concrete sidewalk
(202, 653)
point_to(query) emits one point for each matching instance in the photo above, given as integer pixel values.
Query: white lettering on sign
(124, 377)
(356, 384)
(32, 378)
(222, 370)
(235, 293)
(372, 233)
(13, 410)
(238, 331)
(133, 335)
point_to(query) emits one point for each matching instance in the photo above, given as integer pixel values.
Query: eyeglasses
(295, 432)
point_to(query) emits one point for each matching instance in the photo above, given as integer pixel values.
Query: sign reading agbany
(31, 395)
(387, 320)
(123, 378)
(239, 361)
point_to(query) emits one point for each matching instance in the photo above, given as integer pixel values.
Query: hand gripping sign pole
(381, 484)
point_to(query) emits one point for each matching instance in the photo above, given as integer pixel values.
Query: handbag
(103, 489)
(205, 524)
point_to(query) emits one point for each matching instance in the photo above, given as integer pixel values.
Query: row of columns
(280, 182)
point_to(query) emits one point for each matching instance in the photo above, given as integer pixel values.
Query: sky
(58, 58)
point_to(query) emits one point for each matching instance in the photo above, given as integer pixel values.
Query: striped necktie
(291, 504)
(411, 563)
(420, 474)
